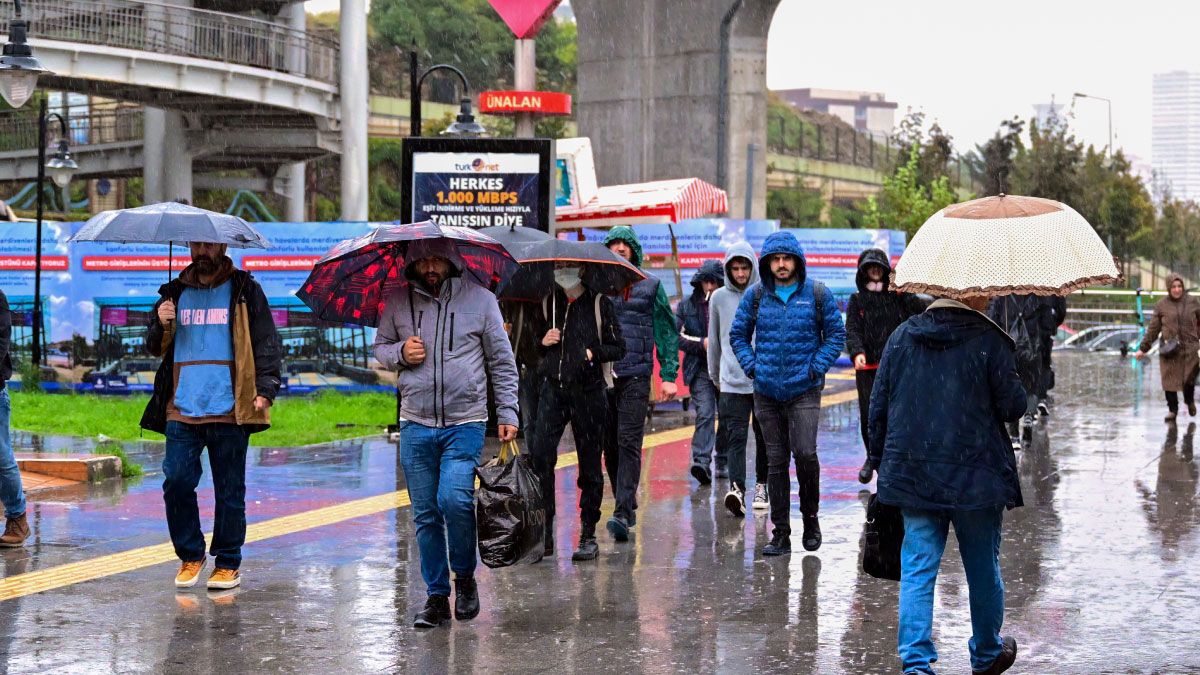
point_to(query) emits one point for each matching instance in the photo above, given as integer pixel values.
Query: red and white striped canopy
(657, 201)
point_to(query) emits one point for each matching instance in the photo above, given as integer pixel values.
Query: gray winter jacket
(723, 365)
(462, 331)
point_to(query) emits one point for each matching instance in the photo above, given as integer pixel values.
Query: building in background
(1175, 132)
(863, 110)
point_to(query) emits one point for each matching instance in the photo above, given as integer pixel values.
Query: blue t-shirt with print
(204, 352)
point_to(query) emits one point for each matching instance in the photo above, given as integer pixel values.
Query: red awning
(663, 200)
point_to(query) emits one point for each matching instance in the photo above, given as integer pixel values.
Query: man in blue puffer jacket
(787, 333)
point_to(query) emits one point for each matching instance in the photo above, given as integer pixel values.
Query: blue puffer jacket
(946, 385)
(780, 346)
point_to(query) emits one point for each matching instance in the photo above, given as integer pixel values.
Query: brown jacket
(1176, 320)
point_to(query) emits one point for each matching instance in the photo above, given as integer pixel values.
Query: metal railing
(20, 132)
(181, 31)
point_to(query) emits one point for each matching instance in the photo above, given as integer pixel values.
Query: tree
(904, 203)
(1050, 166)
(992, 163)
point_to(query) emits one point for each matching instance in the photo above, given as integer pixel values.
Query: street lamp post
(1110, 136)
(19, 70)
(464, 124)
(61, 168)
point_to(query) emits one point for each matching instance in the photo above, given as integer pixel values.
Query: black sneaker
(701, 474)
(466, 598)
(588, 549)
(1192, 409)
(779, 545)
(864, 474)
(1008, 656)
(436, 612)
(735, 502)
(812, 533)
(1043, 409)
(618, 528)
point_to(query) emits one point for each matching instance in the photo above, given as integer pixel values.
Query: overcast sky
(971, 64)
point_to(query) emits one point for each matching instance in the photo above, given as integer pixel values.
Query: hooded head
(743, 251)
(780, 242)
(625, 233)
(710, 270)
(421, 249)
(872, 256)
(1171, 279)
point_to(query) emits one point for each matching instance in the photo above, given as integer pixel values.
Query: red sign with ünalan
(537, 102)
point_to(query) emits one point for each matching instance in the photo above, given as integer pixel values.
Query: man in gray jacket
(736, 400)
(439, 332)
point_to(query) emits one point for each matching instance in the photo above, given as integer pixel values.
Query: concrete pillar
(167, 171)
(525, 79)
(353, 93)
(154, 130)
(297, 20)
(295, 197)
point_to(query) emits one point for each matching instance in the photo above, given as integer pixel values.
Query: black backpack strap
(819, 297)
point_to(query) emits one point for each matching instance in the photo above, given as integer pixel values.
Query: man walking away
(692, 319)
(946, 386)
(1056, 316)
(797, 335)
(871, 316)
(12, 494)
(1025, 317)
(736, 404)
(646, 320)
(440, 332)
(219, 375)
(581, 336)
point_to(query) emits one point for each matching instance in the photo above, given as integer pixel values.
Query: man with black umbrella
(580, 340)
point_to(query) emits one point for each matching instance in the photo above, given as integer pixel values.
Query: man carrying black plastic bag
(509, 512)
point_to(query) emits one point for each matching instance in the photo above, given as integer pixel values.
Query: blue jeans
(11, 493)
(439, 469)
(226, 445)
(704, 398)
(978, 533)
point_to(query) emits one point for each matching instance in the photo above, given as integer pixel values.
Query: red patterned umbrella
(351, 283)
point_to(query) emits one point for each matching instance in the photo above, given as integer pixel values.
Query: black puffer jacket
(567, 361)
(872, 316)
(691, 318)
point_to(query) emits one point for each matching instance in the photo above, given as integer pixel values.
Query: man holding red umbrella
(439, 332)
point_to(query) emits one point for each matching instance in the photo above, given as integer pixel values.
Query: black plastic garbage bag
(509, 514)
(883, 540)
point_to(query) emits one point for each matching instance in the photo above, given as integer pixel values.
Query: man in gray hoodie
(439, 331)
(736, 400)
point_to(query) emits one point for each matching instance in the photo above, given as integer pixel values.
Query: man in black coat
(692, 320)
(871, 315)
(1026, 318)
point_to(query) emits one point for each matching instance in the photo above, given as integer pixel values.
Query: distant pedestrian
(946, 385)
(1026, 318)
(579, 338)
(647, 325)
(787, 334)
(871, 315)
(1175, 321)
(440, 333)
(218, 378)
(735, 408)
(12, 494)
(692, 318)
(1056, 316)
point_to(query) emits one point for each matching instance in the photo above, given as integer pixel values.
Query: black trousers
(735, 418)
(865, 379)
(790, 429)
(584, 408)
(628, 401)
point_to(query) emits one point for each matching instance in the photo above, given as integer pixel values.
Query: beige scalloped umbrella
(1002, 245)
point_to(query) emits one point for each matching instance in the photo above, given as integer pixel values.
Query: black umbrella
(603, 271)
(515, 238)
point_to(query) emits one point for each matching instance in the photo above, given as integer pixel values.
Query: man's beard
(205, 265)
(785, 276)
(433, 280)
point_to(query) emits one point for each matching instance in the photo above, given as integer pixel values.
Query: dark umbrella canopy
(604, 271)
(170, 223)
(515, 238)
(353, 281)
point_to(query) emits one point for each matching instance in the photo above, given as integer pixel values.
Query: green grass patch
(129, 468)
(294, 421)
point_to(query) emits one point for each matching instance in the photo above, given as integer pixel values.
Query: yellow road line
(127, 561)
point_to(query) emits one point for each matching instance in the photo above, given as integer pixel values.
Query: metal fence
(19, 132)
(181, 31)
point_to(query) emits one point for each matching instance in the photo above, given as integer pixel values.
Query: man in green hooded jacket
(647, 321)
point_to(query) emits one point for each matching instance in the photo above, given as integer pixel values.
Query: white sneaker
(761, 502)
(734, 502)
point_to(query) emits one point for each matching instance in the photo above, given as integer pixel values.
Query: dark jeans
(628, 401)
(529, 388)
(704, 439)
(790, 430)
(735, 416)
(865, 379)
(584, 408)
(226, 445)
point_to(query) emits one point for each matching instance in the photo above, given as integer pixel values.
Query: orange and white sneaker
(189, 573)
(223, 578)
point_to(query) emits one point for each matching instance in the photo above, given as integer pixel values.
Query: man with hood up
(736, 403)
(692, 319)
(647, 322)
(947, 384)
(871, 315)
(218, 378)
(439, 332)
(787, 334)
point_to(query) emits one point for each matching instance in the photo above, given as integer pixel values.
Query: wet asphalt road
(1101, 569)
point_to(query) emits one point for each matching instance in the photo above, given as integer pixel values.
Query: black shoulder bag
(1170, 348)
